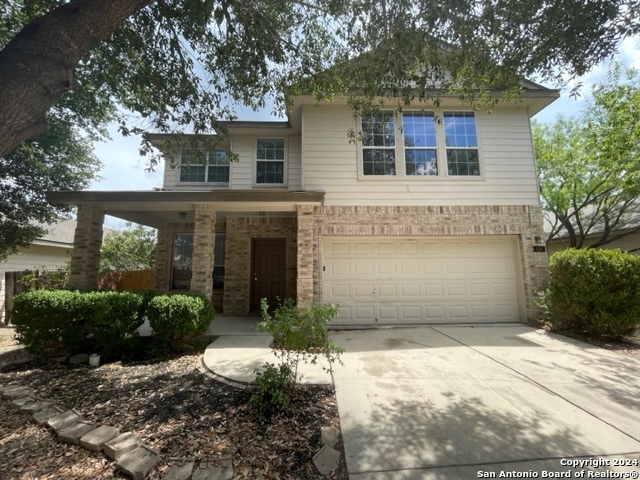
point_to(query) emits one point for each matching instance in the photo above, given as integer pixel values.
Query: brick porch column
(304, 286)
(204, 237)
(85, 257)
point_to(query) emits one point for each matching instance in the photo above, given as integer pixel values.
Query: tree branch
(38, 64)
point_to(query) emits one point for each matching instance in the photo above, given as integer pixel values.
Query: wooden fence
(12, 287)
(136, 280)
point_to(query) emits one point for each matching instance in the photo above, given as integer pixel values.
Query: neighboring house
(626, 236)
(52, 250)
(432, 216)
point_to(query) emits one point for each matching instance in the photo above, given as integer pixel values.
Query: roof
(60, 233)
(630, 221)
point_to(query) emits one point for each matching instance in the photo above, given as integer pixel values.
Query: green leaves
(589, 166)
(130, 249)
(593, 292)
(61, 160)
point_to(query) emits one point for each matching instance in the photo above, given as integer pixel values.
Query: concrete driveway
(456, 402)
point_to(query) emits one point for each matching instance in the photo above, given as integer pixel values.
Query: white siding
(509, 176)
(28, 259)
(241, 174)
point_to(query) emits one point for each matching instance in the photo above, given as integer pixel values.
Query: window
(430, 144)
(420, 145)
(203, 166)
(182, 257)
(378, 144)
(218, 260)
(461, 143)
(270, 161)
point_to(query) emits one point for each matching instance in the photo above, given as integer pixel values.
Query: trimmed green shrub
(593, 292)
(51, 322)
(177, 319)
(114, 321)
(54, 322)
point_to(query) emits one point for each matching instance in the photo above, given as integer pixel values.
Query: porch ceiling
(156, 208)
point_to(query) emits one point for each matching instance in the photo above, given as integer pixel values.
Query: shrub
(177, 319)
(593, 292)
(115, 318)
(271, 388)
(51, 322)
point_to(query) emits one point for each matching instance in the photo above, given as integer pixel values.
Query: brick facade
(304, 234)
(240, 231)
(204, 236)
(85, 257)
(523, 221)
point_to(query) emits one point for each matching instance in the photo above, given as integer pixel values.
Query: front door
(268, 271)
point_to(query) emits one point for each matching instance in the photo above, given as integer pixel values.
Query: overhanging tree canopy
(176, 63)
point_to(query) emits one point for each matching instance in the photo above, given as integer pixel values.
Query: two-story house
(430, 216)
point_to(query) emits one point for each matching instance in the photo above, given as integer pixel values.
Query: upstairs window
(270, 161)
(204, 167)
(378, 144)
(420, 144)
(461, 141)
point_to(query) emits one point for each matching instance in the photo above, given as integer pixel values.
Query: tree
(130, 249)
(177, 63)
(589, 166)
(61, 160)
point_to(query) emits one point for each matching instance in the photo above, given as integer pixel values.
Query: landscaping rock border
(132, 457)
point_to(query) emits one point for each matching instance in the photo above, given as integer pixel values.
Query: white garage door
(403, 280)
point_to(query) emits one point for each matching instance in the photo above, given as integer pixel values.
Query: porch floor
(223, 325)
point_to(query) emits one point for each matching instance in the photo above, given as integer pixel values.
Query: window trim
(285, 170)
(206, 169)
(443, 171)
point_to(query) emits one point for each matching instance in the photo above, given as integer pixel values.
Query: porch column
(85, 257)
(304, 286)
(204, 237)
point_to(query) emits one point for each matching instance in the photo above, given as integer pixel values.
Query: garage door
(404, 280)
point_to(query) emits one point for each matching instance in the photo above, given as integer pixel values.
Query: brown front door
(268, 271)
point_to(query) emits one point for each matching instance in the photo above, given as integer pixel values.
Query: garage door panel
(418, 280)
(388, 291)
(456, 290)
(433, 291)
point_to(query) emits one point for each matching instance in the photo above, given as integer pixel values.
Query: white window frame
(285, 173)
(206, 168)
(441, 149)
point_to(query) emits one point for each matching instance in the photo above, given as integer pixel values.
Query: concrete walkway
(449, 402)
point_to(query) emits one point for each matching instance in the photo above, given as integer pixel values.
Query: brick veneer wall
(240, 231)
(523, 221)
(85, 256)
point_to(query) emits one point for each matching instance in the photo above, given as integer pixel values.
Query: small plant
(271, 388)
(178, 319)
(300, 334)
(44, 278)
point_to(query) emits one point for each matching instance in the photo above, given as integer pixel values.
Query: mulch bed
(172, 407)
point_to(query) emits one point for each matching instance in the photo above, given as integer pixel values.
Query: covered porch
(264, 236)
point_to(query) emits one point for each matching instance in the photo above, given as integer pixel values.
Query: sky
(124, 169)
